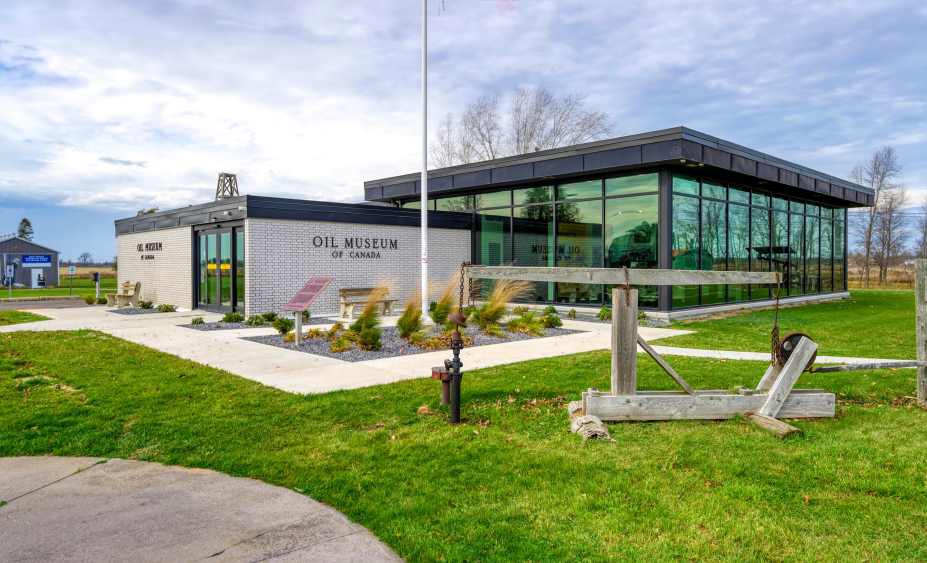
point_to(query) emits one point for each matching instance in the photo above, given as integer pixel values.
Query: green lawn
(19, 317)
(81, 287)
(511, 484)
(871, 324)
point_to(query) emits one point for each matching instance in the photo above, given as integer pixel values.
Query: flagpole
(424, 181)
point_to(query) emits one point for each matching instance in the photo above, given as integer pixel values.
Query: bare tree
(920, 243)
(879, 173)
(889, 232)
(85, 259)
(536, 120)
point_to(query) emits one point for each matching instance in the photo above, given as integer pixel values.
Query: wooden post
(793, 368)
(920, 310)
(624, 342)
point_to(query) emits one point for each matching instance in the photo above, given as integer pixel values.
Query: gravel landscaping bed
(235, 326)
(653, 323)
(133, 311)
(393, 345)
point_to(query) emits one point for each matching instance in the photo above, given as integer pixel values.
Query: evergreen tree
(25, 231)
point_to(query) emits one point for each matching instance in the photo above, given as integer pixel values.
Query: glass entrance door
(221, 278)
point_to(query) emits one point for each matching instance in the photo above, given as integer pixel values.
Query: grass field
(81, 287)
(511, 484)
(871, 324)
(19, 317)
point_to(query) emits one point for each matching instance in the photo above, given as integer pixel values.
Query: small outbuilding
(34, 265)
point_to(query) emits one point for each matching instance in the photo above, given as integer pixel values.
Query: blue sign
(37, 261)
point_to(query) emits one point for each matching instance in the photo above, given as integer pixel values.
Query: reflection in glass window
(632, 184)
(459, 203)
(533, 229)
(839, 278)
(239, 269)
(797, 206)
(797, 253)
(579, 190)
(738, 195)
(812, 209)
(761, 199)
(539, 194)
(713, 189)
(780, 203)
(631, 240)
(683, 184)
(812, 253)
(714, 242)
(840, 214)
(685, 247)
(760, 250)
(494, 199)
(780, 249)
(827, 256)
(579, 245)
(415, 204)
(738, 249)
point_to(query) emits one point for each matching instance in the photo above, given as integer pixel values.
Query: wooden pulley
(789, 343)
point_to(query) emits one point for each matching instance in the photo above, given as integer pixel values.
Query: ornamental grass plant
(493, 309)
(447, 301)
(410, 321)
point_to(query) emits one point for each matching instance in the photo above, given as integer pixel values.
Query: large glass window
(839, 273)
(212, 270)
(494, 199)
(414, 204)
(459, 203)
(760, 250)
(579, 190)
(685, 247)
(204, 285)
(533, 229)
(683, 184)
(539, 194)
(714, 242)
(225, 269)
(780, 249)
(738, 249)
(579, 245)
(631, 240)
(797, 255)
(636, 184)
(239, 268)
(738, 196)
(827, 255)
(812, 253)
(713, 189)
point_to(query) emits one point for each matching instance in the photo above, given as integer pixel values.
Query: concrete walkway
(299, 372)
(87, 509)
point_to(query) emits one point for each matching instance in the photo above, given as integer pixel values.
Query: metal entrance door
(221, 278)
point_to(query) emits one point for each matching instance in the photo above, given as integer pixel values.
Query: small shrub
(410, 321)
(269, 317)
(527, 323)
(306, 316)
(101, 301)
(165, 308)
(340, 345)
(370, 316)
(494, 330)
(551, 321)
(197, 321)
(283, 325)
(313, 333)
(641, 317)
(351, 336)
(519, 310)
(571, 314)
(605, 314)
(233, 318)
(416, 338)
(550, 310)
(89, 299)
(290, 337)
(334, 331)
(442, 342)
(255, 320)
(369, 339)
(146, 304)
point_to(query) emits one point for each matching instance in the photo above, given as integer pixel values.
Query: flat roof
(667, 146)
(262, 207)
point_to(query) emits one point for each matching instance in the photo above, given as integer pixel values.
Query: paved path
(43, 304)
(77, 509)
(299, 372)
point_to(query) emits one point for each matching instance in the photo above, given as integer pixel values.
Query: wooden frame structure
(773, 397)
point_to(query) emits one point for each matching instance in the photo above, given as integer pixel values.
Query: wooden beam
(874, 365)
(920, 310)
(662, 363)
(624, 342)
(680, 406)
(616, 276)
(793, 368)
(774, 425)
(772, 373)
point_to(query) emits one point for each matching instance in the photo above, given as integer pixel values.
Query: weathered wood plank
(666, 367)
(624, 342)
(874, 365)
(792, 369)
(774, 425)
(616, 276)
(704, 407)
(920, 310)
(772, 372)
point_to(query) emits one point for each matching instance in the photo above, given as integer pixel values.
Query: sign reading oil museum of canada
(356, 247)
(149, 247)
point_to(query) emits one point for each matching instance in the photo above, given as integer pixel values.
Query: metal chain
(463, 269)
(627, 287)
(774, 336)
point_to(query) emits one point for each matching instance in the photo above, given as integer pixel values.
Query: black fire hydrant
(453, 368)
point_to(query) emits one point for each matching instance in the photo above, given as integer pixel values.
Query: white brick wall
(280, 257)
(167, 279)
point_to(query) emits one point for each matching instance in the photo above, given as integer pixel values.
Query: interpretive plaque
(307, 294)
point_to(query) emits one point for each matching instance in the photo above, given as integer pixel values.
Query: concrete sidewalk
(89, 509)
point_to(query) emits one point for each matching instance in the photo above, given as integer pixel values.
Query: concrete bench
(352, 297)
(128, 297)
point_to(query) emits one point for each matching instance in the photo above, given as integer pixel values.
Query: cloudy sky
(108, 107)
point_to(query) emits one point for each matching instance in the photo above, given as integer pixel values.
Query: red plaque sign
(307, 294)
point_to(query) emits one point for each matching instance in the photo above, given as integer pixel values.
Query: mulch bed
(393, 345)
(235, 326)
(653, 323)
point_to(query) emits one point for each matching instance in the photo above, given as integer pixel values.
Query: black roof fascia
(261, 207)
(623, 153)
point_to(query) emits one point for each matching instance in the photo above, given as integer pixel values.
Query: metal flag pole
(425, 317)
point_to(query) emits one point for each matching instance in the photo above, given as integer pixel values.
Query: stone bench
(354, 296)
(128, 297)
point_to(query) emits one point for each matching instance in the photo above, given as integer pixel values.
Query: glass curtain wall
(579, 245)
(631, 240)
(686, 238)
(533, 233)
(493, 241)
